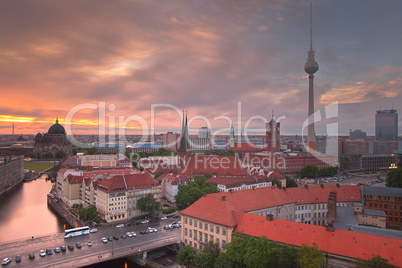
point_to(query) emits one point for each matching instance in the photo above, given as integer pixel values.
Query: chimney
(331, 208)
(306, 186)
(231, 191)
(270, 217)
(338, 185)
(223, 197)
(322, 186)
(330, 228)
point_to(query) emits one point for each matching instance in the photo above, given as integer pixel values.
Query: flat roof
(385, 191)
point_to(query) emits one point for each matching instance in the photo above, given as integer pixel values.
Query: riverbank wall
(58, 206)
(11, 172)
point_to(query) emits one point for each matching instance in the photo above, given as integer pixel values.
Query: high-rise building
(357, 134)
(311, 67)
(273, 135)
(204, 133)
(170, 140)
(386, 125)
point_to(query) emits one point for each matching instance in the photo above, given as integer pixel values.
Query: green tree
(223, 261)
(290, 182)
(310, 257)
(309, 171)
(277, 182)
(287, 256)
(157, 174)
(260, 252)
(148, 204)
(394, 178)
(375, 262)
(192, 191)
(186, 256)
(60, 154)
(236, 250)
(74, 151)
(208, 256)
(91, 151)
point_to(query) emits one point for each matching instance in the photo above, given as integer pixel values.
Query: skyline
(203, 57)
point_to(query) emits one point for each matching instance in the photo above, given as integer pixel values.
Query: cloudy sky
(88, 62)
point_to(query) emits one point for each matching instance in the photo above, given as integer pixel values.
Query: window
(206, 238)
(217, 229)
(206, 227)
(212, 228)
(223, 243)
(185, 231)
(223, 231)
(191, 222)
(195, 235)
(191, 233)
(185, 220)
(217, 242)
(195, 223)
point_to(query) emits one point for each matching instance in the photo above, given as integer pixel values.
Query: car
(155, 230)
(94, 230)
(104, 240)
(63, 248)
(120, 226)
(145, 221)
(128, 224)
(78, 245)
(6, 261)
(175, 216)
(70, 247)
(110, 238)
(89, 244)
(42, 253)
(18, 258)
(115, 237)
(49, 251)
(137, 222)
(129, 234)
(166, 227)
(133, 234)
(31, 256)
(150, 229)
(143, 232)
(57, 250)
(164, 218)
(123, 236)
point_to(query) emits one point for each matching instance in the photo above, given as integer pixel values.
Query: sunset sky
(68, 59)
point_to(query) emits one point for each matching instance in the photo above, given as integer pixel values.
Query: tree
(277, 182)
(310, 257)
(208, 256)
(223, 261)
(309, 171)
(148, 204)
(74, 151)
(287, 256)
(290, 182)
(394, 178)
(60, 154)
(186, 256)
(193, 190)
(377, 262)
(260, 252)
(236, 250)
(157, 174)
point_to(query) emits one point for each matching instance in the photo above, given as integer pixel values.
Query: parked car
(94, 230)
(42, 253)
(137, 222)
(31, 256)
(145, 221)
(49, 251)
(176, 216)
(164, 218)
(63, 248)
(18, 258)
(6, 261)
(89, 244)
(150, 229)
(120, 226)
(129, 234)
(128, 224)
(115, 237)
(70, 247)
(110, 238)
(57, 250)
(78, 245)
(133, 234)
(104, 240)
(123, 236)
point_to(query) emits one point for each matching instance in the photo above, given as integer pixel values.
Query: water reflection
(24, 212)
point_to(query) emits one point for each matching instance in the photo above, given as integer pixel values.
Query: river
(24, 212)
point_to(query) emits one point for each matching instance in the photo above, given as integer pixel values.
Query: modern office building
(386, 125)
(357, 134)
(205, 133)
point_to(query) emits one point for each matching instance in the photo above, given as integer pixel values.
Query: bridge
(87, 255)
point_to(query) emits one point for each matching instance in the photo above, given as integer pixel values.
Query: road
(88, 254)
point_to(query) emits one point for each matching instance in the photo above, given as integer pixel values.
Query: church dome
(57, 128)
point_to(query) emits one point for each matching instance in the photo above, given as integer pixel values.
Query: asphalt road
(99, 251)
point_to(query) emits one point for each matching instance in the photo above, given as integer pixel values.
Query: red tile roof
(317, 194)
(340, 242)
(74, 179)
(175, 179)
(245, 147)
(214, 165)
(231, 182)
(121, 183)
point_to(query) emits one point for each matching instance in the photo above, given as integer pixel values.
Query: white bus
(76, 232)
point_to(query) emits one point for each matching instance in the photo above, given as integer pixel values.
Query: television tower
(311, 67)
